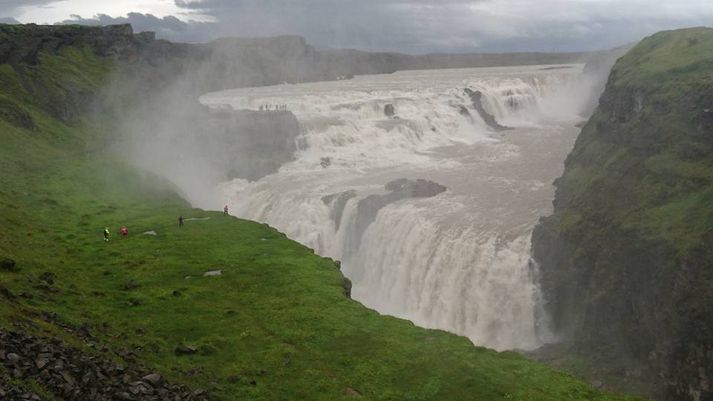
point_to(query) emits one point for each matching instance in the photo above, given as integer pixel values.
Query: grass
(651, 171)
(274, 326)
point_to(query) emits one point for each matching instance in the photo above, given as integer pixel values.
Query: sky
(415, 26)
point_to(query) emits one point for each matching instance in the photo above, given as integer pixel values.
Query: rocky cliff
(627, 257)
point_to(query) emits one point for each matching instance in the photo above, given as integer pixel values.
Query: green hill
(627, 262)
(277, 324)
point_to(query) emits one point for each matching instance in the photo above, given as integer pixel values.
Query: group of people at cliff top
(125, 232)
(276, 107)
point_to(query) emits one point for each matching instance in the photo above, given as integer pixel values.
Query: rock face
(69, 374)
(626, 259)
(476, 97)
(400, 189)
(338, 202)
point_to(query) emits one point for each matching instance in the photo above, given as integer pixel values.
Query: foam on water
(457, 261)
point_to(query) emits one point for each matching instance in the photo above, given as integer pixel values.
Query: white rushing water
(459, 260)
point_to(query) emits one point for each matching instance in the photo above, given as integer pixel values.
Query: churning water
(459, 260)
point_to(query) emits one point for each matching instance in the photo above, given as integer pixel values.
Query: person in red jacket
(124, 231)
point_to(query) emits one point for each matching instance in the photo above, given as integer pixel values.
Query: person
(180, 221)
(106, 234)
(124, 231)
(225, 210)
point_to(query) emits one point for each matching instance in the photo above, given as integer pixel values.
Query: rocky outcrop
(67, 373)
(476, 98)
(337, 203)
(626, 260)
(368, 208)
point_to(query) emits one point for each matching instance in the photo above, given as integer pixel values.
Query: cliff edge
(627, 257)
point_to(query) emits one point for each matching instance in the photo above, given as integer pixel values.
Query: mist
(375, 161)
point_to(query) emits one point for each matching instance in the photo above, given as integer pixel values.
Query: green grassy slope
(627, 256)
(275, 326)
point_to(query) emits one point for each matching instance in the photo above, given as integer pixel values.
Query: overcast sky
(416, 26)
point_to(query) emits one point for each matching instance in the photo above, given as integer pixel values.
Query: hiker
(225, 210)
(106, 234)
(180, 221)
(124, 231)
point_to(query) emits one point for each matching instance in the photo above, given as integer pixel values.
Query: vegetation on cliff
(626, 257)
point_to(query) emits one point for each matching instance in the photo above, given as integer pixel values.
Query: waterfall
(453, 258)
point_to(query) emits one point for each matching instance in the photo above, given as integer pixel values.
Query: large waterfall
(426, 185)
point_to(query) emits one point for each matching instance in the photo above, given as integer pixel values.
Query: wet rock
(400, 189)
(389, 110)
(325, 162)
(476, 97)
(347, 287)
(337, 203)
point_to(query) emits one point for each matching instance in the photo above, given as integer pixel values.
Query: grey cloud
(8, 20)
(422, 26)
(9, 8)
(453, 25)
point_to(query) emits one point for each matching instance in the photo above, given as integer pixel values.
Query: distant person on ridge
(106, 234)
(124, 231)
(180, 221)
(225, 210)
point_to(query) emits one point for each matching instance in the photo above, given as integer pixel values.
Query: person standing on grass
(124, 231)
(180, 221)
(225, 210)
(106, 234)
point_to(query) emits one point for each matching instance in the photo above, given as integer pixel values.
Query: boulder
(183, 349)
(8, 265)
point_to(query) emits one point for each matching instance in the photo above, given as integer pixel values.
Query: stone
(389, 110)
(151, 232)
(352, 392)
(7, 293)
(48, 278)
(213, 273)
(154, 378)
(8, 265)
(12, 358)
(123, 396)
(185, 350)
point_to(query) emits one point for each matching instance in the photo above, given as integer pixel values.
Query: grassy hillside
(626, 257)
(276, 325)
